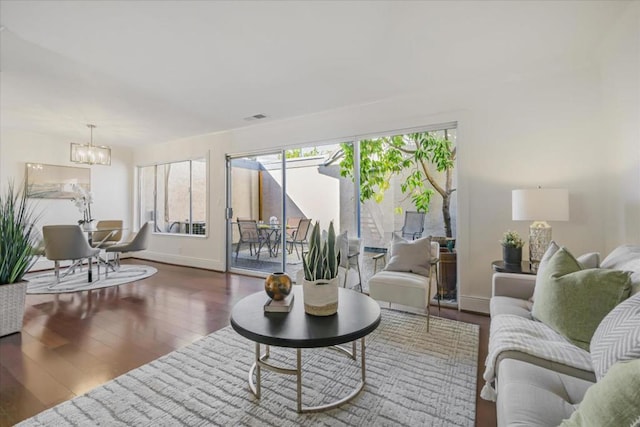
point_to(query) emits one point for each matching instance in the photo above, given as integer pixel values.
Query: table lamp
(539, 205)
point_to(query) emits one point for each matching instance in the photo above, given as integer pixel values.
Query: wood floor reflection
(71, 343)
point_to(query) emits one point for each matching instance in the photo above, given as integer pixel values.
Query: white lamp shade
(540, 204)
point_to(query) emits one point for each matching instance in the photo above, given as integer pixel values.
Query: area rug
(413, 378)
(39, 283)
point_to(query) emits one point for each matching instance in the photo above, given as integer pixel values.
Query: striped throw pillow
(617, 338)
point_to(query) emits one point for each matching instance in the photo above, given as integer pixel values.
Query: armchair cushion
(410, 256)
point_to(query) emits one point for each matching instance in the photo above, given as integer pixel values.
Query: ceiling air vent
(255, 117)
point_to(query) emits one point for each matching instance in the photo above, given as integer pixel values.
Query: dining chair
(108, 233)
(299, 236)
(137, 242)
(251, 235)
(67, 242)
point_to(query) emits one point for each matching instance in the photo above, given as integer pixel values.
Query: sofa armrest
(513, 285)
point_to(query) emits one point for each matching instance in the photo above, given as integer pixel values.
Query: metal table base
(260, 363)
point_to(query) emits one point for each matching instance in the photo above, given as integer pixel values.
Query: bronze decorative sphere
(277, 286)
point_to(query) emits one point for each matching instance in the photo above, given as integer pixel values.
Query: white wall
(109, 184)
(317, 195)
(539, 130)
(195, 251)
(620, 68)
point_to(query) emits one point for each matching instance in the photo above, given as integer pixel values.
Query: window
(174, 196)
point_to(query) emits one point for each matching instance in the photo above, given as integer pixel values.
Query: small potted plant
(17, 242)
(512, 247)
(320, 265)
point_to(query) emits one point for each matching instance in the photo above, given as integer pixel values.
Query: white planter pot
(12, 307)
(320, 297)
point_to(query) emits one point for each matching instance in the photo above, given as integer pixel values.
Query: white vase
(89, 226)
(12, 307)
(320, 296)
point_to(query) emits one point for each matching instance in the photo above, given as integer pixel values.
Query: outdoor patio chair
(413, 225)
(299, 236)
(292, 226)
(251, 235)
(350, 259)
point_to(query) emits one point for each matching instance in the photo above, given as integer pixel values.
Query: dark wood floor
(72, 343)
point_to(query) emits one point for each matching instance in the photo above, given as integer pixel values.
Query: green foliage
(17, 236)
(297, 153)
(418, 153)
(321, 261)
(512, 239)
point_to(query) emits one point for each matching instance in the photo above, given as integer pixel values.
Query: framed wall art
(55, 182)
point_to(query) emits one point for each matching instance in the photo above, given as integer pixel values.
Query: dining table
(110, 232)
(272, 234)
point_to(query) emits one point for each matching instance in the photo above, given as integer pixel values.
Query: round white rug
(44, 283)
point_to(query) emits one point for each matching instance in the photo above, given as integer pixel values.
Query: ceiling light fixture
(90, 154)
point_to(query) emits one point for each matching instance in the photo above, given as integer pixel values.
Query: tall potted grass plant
(320, 263)
(17, 240)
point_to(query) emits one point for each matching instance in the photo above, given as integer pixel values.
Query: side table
(502, 267)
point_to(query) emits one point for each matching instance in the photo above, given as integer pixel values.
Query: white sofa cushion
(530, 395)
(625, 258)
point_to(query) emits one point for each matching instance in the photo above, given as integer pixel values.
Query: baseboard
(474, 304)
(207, 264)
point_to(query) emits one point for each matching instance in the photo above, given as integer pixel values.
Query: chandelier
(90, 154)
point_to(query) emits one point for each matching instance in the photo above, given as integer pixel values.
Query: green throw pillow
(573, 301)
(612, 401)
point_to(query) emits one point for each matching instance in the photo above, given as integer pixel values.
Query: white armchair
(409, 289)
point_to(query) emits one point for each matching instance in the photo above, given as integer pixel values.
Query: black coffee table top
(357, 316)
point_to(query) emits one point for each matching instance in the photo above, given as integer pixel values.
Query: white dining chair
(67, 242)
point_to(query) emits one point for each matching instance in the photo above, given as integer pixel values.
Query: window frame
(205, 160)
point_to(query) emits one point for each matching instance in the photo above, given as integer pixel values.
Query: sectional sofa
(538, 377)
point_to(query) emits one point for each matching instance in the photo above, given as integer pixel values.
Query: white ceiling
(152, 71)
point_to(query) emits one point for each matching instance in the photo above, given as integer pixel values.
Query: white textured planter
(12, 307)
(320, 297)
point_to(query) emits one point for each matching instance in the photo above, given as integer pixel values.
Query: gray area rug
(39, 283)
(414, 378)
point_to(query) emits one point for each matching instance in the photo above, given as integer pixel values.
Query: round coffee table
(358, 315)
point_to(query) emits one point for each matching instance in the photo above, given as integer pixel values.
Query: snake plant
(321, 261)
(17, 236)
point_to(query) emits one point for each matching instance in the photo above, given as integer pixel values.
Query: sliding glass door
(371, 189)
(254, 213)
(315, 193)
(408, 185)
(275, 199)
